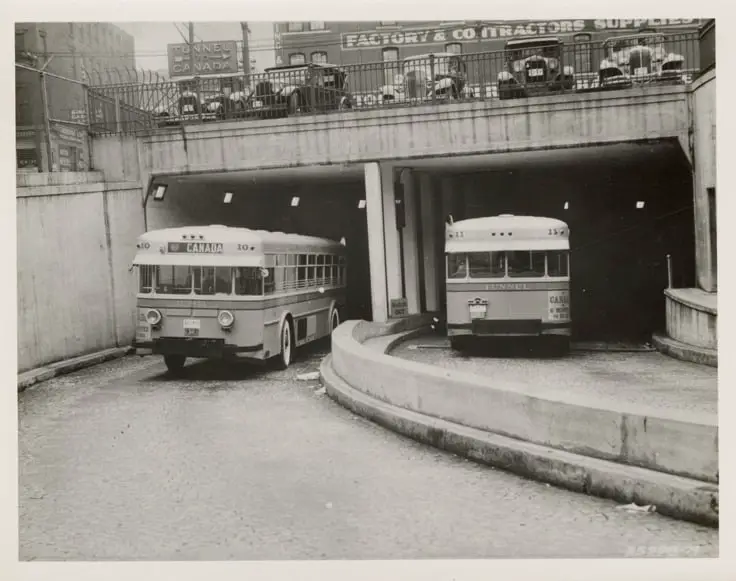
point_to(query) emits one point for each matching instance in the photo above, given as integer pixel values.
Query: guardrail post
(118, 128)
(669, 271)
(199, 99)
(431, 74)
(49, 166)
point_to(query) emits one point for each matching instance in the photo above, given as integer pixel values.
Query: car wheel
(175, 363)
(283, 359)
(295, 104)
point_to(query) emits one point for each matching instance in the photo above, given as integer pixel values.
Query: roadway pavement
(122, 462)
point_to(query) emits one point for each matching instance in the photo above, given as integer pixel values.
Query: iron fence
(524, 69)
(52, 131)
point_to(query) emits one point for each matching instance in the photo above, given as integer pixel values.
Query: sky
(151, 39)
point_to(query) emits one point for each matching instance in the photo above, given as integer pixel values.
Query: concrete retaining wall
(671, 444)
(692, 317)
(76, 240)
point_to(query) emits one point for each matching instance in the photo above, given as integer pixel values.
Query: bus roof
(153, 246)
(507, 221)
(507, 232)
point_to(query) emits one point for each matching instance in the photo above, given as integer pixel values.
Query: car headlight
(226, 319)
(153, 316)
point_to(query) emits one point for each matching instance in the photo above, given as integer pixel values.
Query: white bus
(222, 292)
(508, 276)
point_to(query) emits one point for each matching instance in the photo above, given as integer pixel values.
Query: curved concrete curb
(29, 378)
(673, 496)
(685, 352)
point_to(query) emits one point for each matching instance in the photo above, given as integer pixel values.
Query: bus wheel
(175, 363)
(334, 320)
(284, 357)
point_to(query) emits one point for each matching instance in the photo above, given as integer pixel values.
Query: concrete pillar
(410, 243)
(376, 241)
(391, 235)
(430, 242)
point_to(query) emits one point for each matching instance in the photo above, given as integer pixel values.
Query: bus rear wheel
(283, 359)
(175, 363)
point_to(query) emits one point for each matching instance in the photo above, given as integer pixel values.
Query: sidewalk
(29, 378)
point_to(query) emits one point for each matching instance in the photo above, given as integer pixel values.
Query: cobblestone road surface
(122, 462)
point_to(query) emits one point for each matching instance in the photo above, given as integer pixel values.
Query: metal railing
(522, 72)
(52, 133)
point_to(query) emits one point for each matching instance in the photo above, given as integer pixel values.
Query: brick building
(90, 52)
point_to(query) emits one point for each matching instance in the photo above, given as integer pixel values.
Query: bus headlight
(226, 319)
(153, 316)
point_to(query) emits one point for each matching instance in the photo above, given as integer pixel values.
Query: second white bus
(508, 276)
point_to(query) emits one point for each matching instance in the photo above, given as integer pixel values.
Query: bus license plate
(143, 333)
(191, 327)
(478, 311)
(536, 72)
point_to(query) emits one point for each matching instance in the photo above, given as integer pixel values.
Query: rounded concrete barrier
(683, 449)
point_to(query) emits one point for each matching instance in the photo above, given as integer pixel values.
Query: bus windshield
(513, 264)
(200, 280)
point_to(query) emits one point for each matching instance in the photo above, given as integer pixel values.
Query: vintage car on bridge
(638, 59)
(293, 89)
(534, 66)
(441, 75)
(220, 97)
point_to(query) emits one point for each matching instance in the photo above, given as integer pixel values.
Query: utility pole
(191, 47)
(246, 52)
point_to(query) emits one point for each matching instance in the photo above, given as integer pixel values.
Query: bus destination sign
(195, 247)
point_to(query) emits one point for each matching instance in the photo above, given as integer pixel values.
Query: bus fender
(282, 322)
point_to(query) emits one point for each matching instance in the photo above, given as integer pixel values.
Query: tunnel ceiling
(616, 155)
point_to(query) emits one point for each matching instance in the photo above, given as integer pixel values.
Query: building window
(295, 27)
(390, 64)
(319, 57)
(297, 58)
(316, 26)
(454, 48)
(581, 52)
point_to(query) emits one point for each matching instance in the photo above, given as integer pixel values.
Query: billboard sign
(211, 57)
(503, 29)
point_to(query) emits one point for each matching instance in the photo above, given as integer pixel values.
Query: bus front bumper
(195, 347)
(509, 328)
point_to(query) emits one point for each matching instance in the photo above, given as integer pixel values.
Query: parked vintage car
(221, 96)
(292, 89)
(639, 58)
(440, 75)
(534, 66)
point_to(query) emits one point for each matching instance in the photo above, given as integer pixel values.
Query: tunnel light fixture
(639, 205)
(159, 192)
(294, 201)
(567, 205)
(361, 204)
(228, 198)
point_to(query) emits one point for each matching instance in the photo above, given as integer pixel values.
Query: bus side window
(456, 265)
(248, 281)
(146, 278)
(329, 269)
(301, 272)
(290, 272)
(269, 281)
(311, 279)
(557, 263)
(320, 268)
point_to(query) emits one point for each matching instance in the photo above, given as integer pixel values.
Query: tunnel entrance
(326, 209)
(624, 219)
